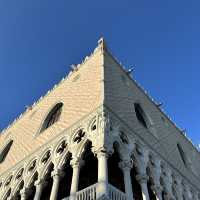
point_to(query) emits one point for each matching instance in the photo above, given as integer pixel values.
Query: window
(52, 117)
(140, 114)
(5, 151)
(182, 154)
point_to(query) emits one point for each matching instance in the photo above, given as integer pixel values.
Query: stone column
(178, 187)
(102, 173)
(154, 173)
(25, 192)
(39, 184)
(167, 178)
(57, 174)
(142, 179)
(126, 168)
(76, 165)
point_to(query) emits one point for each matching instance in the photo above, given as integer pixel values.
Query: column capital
(40, 182)
(157, 188)
(25, 192)
(102, 152)
(57, 173)
(76, 162)
(126, 165)
(142, 178)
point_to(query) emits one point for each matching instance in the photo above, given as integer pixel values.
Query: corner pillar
(102, 173)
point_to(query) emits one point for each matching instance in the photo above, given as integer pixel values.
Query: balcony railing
(90, 193)
(115, 194)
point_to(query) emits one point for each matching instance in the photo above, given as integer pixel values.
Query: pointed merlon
(130, 70)
(73, 67)
(159, 104)
(184, 131)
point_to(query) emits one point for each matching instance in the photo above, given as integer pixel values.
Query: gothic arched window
(140, 115)
(5, 151)
(52, 117)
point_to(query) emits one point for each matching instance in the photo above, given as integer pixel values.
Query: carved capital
(40, 182)
(25, 192)
(57, 173)
(142, 178)
(157, 189)
(76, 162)
(126, 165)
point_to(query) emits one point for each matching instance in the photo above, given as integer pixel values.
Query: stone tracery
(50, 165)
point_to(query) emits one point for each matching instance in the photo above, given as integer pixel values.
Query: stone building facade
(97, 135)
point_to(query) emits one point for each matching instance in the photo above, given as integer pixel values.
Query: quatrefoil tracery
(61, 147)
(79, 136)
(19, 175)
(32, 166)
(46, 157)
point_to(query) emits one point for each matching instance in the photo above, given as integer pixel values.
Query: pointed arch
(89, 171)
(6, 194)
(17, 188)
(115, 174)
(32, 179)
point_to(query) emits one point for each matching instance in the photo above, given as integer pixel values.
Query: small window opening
(5, 151)
(140, 115)
(52, 117)
(182, 154)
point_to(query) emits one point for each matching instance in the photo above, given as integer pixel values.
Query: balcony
(91, 193)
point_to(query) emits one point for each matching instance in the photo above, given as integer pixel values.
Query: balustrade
(90, 193)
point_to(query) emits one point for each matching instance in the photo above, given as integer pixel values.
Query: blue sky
(39, 40)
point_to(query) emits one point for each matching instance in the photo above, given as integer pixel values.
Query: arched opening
(52, 117)
(89, 171)
(140, 115)
(137, 192)
(163, 195)
(150, 182)
(65, 182)
(49, 183)
(32, 187)
(152, 195)
(115, 174)
(7, 194)
(5, 151)
(17, 195)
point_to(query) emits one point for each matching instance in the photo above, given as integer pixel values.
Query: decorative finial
(102, 43)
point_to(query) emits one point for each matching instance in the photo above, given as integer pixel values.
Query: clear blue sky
(39, 40)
